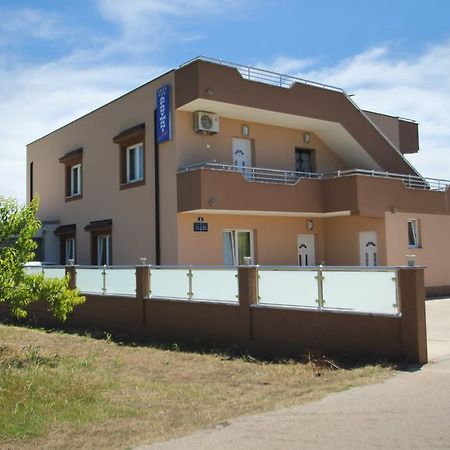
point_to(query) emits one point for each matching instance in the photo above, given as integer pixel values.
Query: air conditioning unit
(206, 122)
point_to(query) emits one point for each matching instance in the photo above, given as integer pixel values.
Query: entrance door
(242, 153)
(368, 245)
(306, 250)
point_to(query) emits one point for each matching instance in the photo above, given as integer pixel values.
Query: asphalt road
(410, 410)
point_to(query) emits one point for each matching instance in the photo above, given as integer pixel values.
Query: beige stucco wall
(273, 147)
(337, 239)
(435, 244)
(131, 210)
(275, 238)
(342, 239)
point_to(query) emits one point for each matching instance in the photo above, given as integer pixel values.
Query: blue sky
(60, 59)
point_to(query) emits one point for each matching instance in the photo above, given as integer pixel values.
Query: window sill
(132, 184)
(71, 198)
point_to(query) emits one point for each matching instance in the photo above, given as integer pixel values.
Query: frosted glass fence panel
(90, 280)
(216, 285)
(32, 270)
(288, 288)
(169, 283)
(371, 292)
(121, 281)
(54, 272)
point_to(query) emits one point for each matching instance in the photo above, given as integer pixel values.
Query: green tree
(18, 225)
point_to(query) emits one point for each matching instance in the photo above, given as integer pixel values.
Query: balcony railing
(263, 75)
(263, 175)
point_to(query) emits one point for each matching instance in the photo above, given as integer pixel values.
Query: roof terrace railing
(263, 75)
(263, 175)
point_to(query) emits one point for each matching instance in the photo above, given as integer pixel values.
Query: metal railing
(255, 174)
(263, 75)
(290, 177)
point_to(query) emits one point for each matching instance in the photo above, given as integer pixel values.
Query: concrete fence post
(248, 296)
(142, 290)
(72, 272)
(413, 321)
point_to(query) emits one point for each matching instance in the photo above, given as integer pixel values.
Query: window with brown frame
(131, 156)
(67, 244)
(73, 174)
(101, 242)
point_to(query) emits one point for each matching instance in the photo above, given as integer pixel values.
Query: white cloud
(37, 100)
(21, 23)
(146, 24)
(132, 13)
(416, 87)
(286, 65)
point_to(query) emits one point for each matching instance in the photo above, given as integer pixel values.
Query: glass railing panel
(90, 280)
(54, 272)
(32, 270)
(216, 285)
(169, 283)
(361, 291)
(120, 281)
(288, 288)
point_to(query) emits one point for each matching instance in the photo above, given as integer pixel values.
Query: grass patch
(67, 391)
(39, 391)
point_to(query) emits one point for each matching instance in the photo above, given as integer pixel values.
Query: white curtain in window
(70, 250)
(103, 246)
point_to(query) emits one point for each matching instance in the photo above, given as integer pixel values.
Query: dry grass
(67, 391)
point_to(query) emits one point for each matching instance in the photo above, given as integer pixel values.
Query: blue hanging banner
(163, 118)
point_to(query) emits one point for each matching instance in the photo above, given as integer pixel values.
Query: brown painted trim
(193, 81)
(62, 247)
(70, 157)
(74, 197)
(133, 184)
(99, 228)
(130, 134)
(64, 230)
(438, 291)
(99, 225)
(69, 160)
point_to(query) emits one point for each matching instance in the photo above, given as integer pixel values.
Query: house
(216, 163)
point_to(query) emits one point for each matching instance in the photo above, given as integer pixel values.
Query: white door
(368, 245)
(306, 250)
(242, 153)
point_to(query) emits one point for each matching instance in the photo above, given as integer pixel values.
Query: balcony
(223, 188)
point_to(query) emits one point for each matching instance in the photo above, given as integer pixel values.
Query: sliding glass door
(238, 247)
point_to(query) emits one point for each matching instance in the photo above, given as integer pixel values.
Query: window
(31, 181)
(135, 163)
(70, 251)
(131, 156)
(104, 249)
(75, 180)
(304, 161)
(101, 242)
(67, 243)
(73, 169)
(238, 247)
(413, 233)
